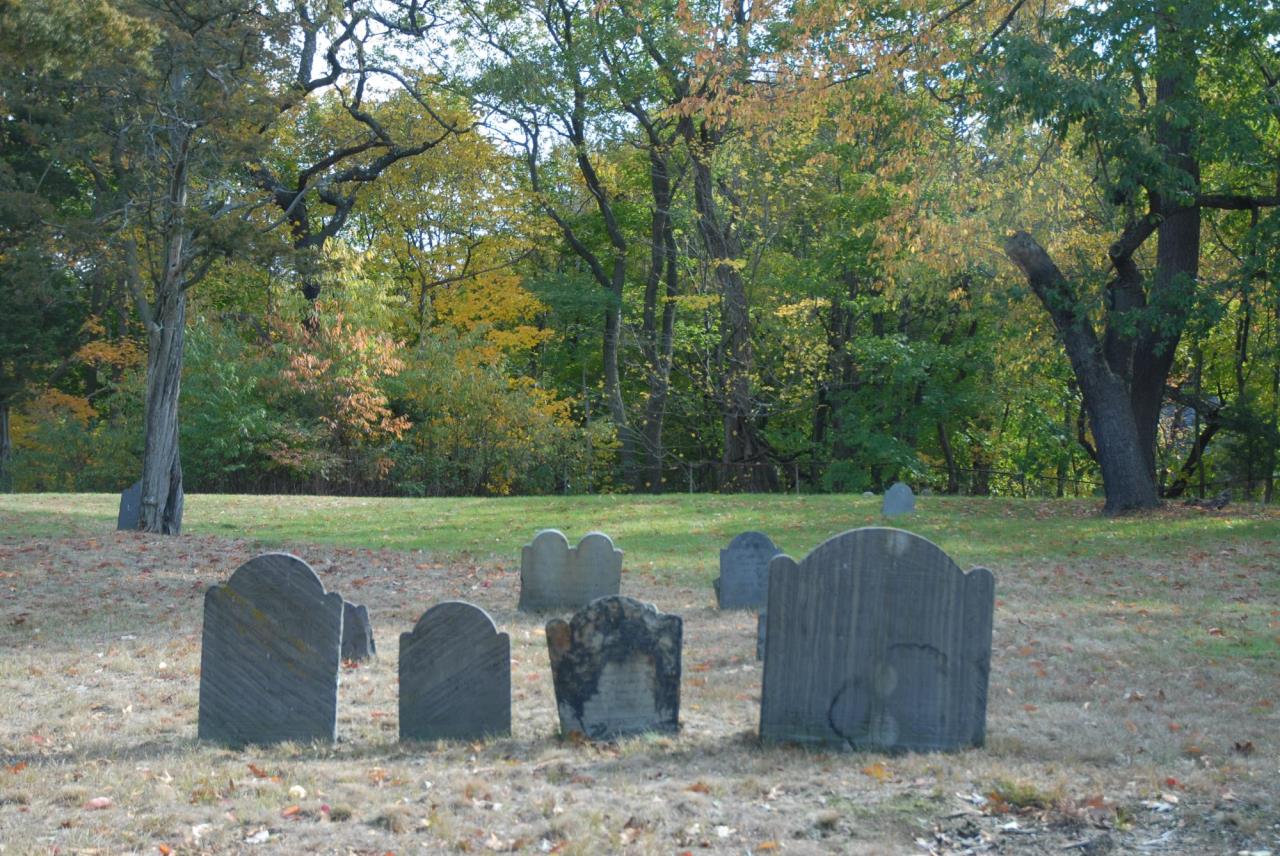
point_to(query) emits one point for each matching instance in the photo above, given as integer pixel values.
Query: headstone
(130, 507)
(269, 655)
(616, 668)
(553, 576)
(744, 571)
(455, 676)
(898, 499)
(877, 641)
(357, 633)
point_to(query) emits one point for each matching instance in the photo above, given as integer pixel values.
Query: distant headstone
(455, 676)
(357, 633)
(269, 655)
(616, 667)
(877, 641)
(898, 499)
(130, 507)
(744, 571)
(554, 576)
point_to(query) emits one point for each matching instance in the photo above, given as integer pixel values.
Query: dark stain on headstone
(616, 669)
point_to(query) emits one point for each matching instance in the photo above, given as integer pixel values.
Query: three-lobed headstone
(357, 633)
(744, 571)
(130, 507)
(270, 654)
(877, 641)
(455, 675)
(898, 500)
(616, 669)
(554, 576)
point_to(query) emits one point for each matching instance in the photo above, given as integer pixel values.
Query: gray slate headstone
(269, 655)
(898, 499)
(616, 668)
(357, 633)
(555, 577)
(455, 676)
(130, 507)
(877, 641)
(744, 571)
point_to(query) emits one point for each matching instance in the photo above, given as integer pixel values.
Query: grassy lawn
(1132, 705)
(677, 537)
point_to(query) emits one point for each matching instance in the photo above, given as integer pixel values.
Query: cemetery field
(1135, 678)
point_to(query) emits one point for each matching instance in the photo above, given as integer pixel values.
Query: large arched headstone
(553, 576)
(744, 572)
(269, 655)
(616, 668)
(455, 675)
(877, 641)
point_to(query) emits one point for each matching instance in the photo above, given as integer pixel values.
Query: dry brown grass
(1131, 703)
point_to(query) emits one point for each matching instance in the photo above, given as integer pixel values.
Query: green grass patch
(675, 536)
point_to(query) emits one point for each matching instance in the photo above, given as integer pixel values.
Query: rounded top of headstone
(752, 539)
(879, 543)
(278, 564)
(594, 541)
(555, 535)
(466, 617)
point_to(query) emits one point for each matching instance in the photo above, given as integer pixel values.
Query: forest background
(473, 247)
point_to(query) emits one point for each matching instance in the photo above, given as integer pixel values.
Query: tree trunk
(1128, 474)
(162, 497)
(658, 337)
(743, 457)
(6, 450)
(953, 474)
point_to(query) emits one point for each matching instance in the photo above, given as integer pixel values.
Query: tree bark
(657, 338)
(162, 496)
(1128, 474)
(6, 450)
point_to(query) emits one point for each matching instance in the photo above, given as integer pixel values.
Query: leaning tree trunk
(1127, 477)
(162, 496)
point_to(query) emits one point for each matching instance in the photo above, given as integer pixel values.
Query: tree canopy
(544, 245)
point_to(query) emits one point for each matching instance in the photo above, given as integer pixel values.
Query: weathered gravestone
(554, 576)
(357, 633)
(898, 499)
(744, 571)
(616, 668)
(269, 655)
(877, 641)
(130, 507)
(455, 675)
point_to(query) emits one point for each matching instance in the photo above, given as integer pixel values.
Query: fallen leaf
(291, 811)
(767, 845)
(1245, 748)
(98, 803)
(258, 772)
(165, 849)
(18, 767)
(877, 771)
(700, 788)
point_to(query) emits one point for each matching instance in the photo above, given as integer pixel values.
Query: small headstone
(898, 499)
(553, 576)
(455, 676)
(877, 641)
(130, 507)
(744, 571)
(269, 656)
(357, 633)
(616, 667)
